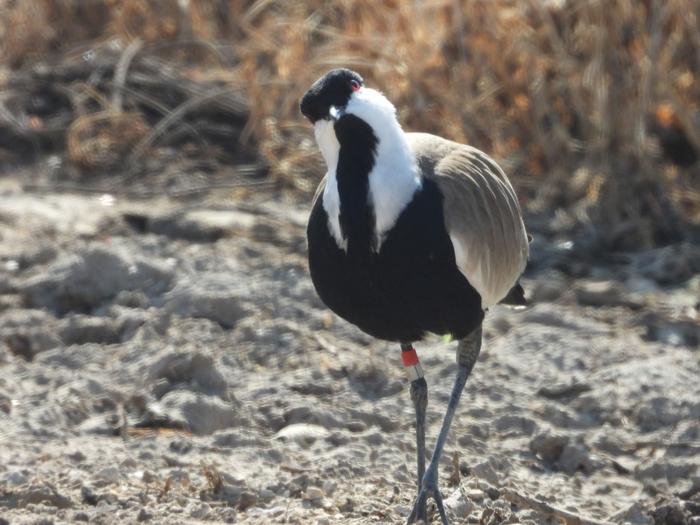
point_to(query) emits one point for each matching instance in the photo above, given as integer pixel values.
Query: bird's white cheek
(335, 112)
(327, 142)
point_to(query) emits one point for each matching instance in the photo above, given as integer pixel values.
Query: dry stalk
(569, 518)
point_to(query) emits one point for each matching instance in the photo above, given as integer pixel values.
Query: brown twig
(121, 70)
(545, 508)
(173, 117)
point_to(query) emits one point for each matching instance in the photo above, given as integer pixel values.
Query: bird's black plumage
(412, 285)
(332, 89)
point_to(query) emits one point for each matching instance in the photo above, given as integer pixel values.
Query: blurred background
(591, 107)
(163, 355)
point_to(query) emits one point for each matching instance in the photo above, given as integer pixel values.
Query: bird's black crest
(332, 89)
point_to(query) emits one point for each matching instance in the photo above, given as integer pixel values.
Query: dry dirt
(169, 362)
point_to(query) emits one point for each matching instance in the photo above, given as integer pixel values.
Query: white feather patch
(330, 149)
(394, 178)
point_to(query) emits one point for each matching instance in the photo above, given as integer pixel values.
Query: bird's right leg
(419, 396)
(467, 354)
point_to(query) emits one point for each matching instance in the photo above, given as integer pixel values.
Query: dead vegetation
(592, 106)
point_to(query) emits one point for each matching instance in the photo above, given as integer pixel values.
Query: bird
(409, 234)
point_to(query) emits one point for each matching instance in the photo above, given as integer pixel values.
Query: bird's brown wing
(482, 214)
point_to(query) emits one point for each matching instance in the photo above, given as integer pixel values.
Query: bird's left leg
(467, 353)
(419, 396)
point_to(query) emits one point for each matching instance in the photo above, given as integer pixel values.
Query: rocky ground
(169, 362)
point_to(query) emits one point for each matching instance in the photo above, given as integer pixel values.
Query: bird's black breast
(410, 287)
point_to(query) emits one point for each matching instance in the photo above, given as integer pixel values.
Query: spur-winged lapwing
(409, 233)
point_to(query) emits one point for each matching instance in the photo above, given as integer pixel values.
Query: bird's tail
(515, 297)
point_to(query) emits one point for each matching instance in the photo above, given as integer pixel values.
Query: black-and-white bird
(409, 234)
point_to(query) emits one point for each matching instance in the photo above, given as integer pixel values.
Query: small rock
(96, 425)
(459, 504)
(143, 515)
(475, 495)
(574, 457)
(547, 446)
(41, 492)
(200, 413)
(669, 512)
(329, 487)
(668, 265)
(313, 493)
(13, 477)
(148, 476)
(194, 369)
(199, 510)
(109, 474)
(247, 500)
(304, 434)
(635, 514)
(88, 495)
(515, 424)
(76, 456)
(604, 293)
(485, 471)
(549, 287)
(211, 296)
(83, 281)
(81, 329)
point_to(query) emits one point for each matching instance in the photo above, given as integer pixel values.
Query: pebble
(14, 477)
(109, 474)
(212, 296)
(313, 493)
(200, 413)
(91, 276)
(329, 487)
(485, 471)
(459, 504)
(548, 446)
(199, 510)
(304, 434)
(143, 515)
(246, 500)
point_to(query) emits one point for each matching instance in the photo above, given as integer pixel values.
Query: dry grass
(584, 102)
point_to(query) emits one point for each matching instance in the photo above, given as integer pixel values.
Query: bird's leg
(467, 353)
(419, 396)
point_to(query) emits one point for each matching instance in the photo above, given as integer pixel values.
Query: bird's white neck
(394, 178)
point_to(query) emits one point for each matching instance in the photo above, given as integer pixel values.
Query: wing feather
(482, 214)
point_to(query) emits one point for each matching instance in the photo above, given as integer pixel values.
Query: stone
(95, 274)
(109, 474)
(304, 434)
(604, 293)
(547, 446)
(200, 413)
(81, 329)
(194, 369)
(213, 296)
(459, 504)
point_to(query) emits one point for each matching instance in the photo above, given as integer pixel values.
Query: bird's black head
(333, 89)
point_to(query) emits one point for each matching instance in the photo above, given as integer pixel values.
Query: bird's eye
(355, 85)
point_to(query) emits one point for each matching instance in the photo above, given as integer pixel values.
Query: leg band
(411, 363)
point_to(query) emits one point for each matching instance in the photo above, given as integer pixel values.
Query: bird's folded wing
(482, 214)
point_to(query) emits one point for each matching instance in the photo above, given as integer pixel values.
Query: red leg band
(409, 357)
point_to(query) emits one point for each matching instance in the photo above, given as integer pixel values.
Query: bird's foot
(429, 488)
